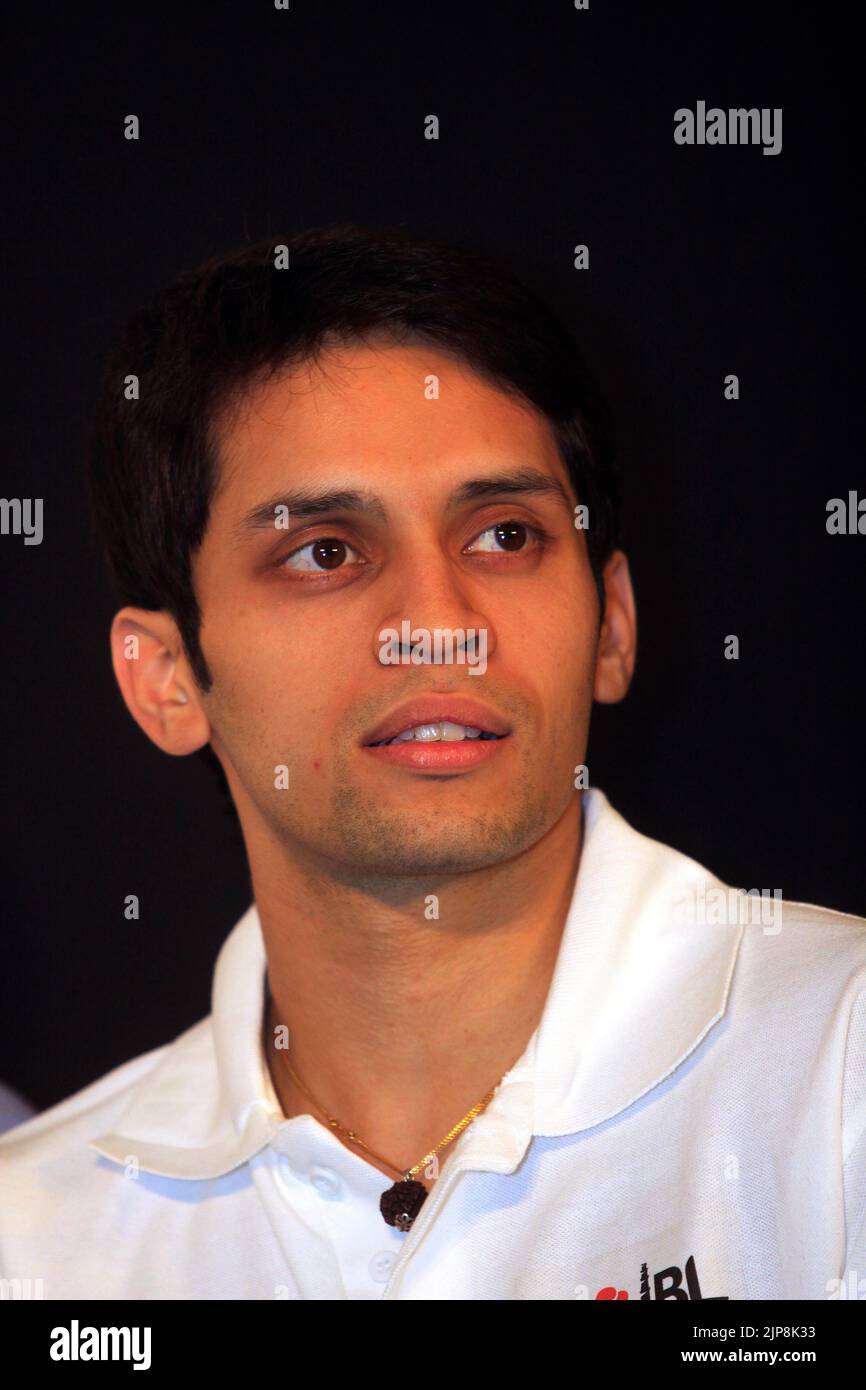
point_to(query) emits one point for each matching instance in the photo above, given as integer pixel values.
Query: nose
(430, 617)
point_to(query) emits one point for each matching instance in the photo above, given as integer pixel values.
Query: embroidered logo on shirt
(666, 1283)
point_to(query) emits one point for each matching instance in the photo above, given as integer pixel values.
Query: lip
(440, 756)
(432, 710)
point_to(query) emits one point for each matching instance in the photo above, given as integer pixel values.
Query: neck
(398, 1025)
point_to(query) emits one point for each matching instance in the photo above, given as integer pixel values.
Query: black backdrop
(556, 129)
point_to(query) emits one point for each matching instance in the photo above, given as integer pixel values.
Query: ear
(617, 642)
(155, 680)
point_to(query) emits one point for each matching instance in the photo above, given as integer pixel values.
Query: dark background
(556, 129)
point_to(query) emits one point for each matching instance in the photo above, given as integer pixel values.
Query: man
(476, 1037)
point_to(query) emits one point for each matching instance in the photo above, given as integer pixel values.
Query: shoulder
(14, 1109)
(57, 1139)
(812, 918)
(814, 951)
(75, 1119)
(62, 1205)
(799, 972)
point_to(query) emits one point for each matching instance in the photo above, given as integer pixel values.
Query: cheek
(273, 690)
(559, 657)
(256, 678)
(557, 638)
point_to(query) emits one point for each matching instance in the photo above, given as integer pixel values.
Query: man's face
(291, 630)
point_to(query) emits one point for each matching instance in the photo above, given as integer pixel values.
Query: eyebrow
(306, 505)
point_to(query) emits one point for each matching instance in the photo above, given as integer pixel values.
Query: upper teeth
(445, 730)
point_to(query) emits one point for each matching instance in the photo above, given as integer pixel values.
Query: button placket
(381, 1265)
(326, 1183)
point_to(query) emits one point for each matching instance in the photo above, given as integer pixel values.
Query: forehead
(406, 412)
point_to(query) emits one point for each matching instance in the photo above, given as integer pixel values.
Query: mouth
(439, 733)
(438, 746)
(439, 755)
(438, 719)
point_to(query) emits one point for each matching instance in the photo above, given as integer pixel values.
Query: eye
(511, 535)
(327, 553)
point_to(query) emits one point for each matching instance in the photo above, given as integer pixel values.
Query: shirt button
(381, 1265)
(326, 1183)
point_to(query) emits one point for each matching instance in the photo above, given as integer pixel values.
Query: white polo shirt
(688, 1120)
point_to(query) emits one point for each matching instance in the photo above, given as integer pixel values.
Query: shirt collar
(638, 982)
(635, 989)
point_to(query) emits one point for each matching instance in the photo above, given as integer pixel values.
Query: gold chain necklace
(401, 1203)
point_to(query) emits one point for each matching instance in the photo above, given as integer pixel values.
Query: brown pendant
(402, 1203)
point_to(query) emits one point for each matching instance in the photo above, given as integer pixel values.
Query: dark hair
(200, 344)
